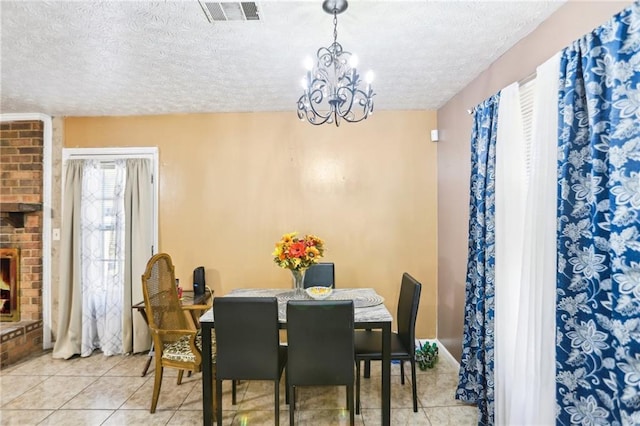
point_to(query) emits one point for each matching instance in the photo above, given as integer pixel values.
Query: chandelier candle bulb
(369, 77)
(308, 63)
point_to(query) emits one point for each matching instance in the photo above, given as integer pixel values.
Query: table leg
(147, 365)
(149, 359)
(207, 378)
(386, 374)
(140, 308)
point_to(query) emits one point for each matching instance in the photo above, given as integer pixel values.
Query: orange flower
(297, 249)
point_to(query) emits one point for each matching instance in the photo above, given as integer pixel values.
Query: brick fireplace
(21, 191)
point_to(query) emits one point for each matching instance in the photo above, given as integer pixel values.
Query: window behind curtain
(111, 259)
(527, 91)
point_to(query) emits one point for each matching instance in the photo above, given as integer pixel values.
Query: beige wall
(232, 184)
(570, 22)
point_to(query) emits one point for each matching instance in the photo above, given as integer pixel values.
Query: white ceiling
(90, 57)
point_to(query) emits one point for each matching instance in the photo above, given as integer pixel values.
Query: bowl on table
(319, 292)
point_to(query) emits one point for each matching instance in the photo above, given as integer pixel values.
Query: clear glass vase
(298, 282)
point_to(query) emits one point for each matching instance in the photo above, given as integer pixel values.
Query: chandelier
(332, 88)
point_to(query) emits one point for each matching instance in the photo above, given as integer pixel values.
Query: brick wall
(21, 151)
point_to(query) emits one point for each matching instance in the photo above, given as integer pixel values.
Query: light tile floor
(101, 390)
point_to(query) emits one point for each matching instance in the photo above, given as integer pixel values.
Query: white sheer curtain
(533, 395)
(102, 226)
(525, 264)
(511, 190)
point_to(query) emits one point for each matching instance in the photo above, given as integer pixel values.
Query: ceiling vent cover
(230, 11)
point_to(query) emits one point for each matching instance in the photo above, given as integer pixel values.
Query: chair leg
(276, 391)
(350, 404)
(357, 387)
(367, 369)
(215, 395)
(157, 384)
(219, 402)
(286, 387)
(414, 385)
(292, 403)
(402, 372)
(180, 374)
(346, 400)
(233, 391)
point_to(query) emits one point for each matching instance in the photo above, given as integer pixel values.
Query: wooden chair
(368, 344)
(320, 347)
(248, 345)
(320, 274)
(177, 343)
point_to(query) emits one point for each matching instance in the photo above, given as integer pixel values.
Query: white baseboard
(442, 350)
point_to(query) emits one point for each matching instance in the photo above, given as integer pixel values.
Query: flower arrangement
(296, 253)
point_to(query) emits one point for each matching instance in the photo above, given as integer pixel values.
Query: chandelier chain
(335, 26)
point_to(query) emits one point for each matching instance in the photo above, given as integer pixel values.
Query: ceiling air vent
(230, 11)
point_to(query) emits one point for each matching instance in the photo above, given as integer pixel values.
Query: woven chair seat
(181, 350)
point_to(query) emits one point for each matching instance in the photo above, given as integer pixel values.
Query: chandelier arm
(364, 102)
(362, 117)
(307, 107)
(311, 117)
(347, 96)
(315, 99)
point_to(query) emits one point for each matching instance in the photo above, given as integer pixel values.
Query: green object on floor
(427, 355)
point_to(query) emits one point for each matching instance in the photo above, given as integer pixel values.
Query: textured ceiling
(91, 57)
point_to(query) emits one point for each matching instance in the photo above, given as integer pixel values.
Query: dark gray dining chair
(248, 345)
(321, 274)
(320, 334)
(368, 344)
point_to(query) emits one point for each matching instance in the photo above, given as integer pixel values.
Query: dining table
(369, 313)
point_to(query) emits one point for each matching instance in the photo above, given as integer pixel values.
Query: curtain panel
(598, 281)
(138, 199)
(476, 384)
(69, 330)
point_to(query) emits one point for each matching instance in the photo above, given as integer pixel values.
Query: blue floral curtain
(476, 366)
(598, 286)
